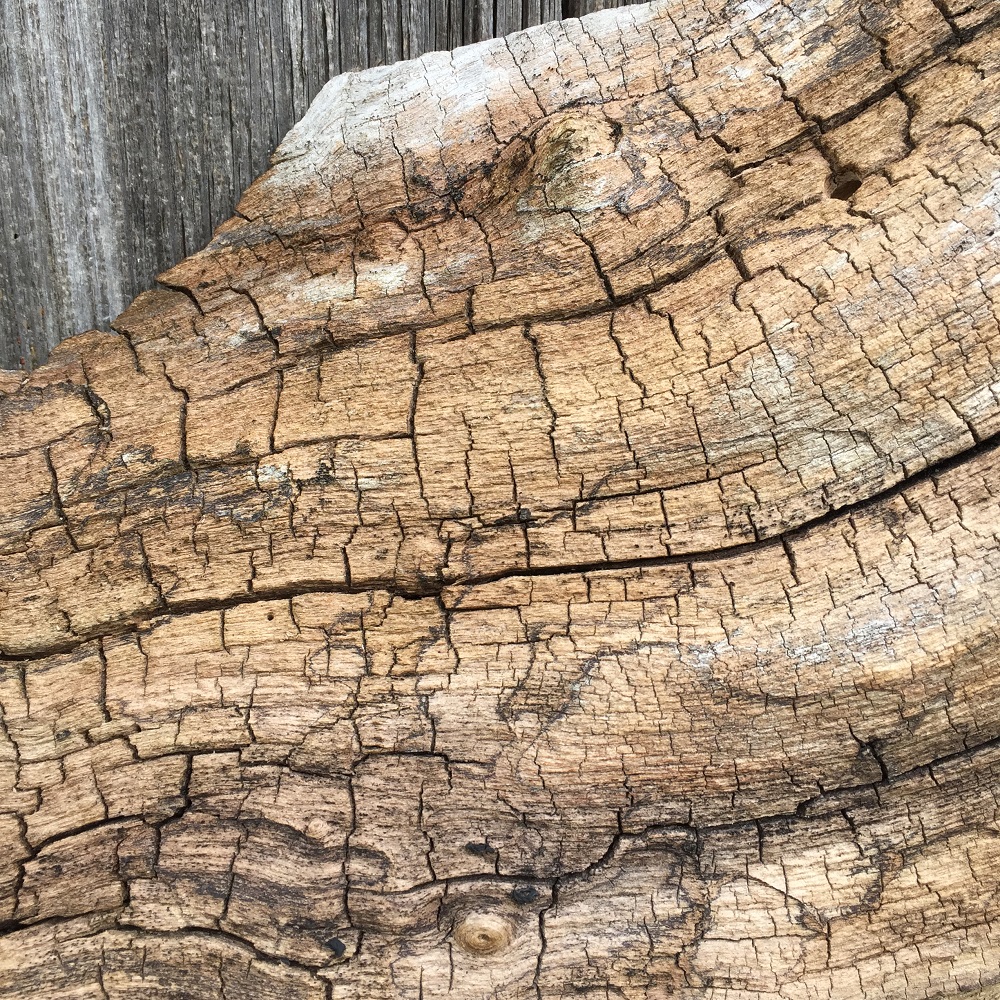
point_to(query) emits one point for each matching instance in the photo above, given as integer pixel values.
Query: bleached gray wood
(128, 128)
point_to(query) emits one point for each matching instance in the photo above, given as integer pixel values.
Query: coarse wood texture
(128, 128)
(545, 546)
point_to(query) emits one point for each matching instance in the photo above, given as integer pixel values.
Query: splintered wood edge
(545, 545)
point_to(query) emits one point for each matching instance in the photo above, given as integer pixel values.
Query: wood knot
(483, 933)
(573, 137)
(578, 161)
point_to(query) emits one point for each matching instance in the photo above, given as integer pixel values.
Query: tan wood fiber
(546, 545)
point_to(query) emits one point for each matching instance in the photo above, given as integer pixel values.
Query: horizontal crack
(806, 810)
(134, 622)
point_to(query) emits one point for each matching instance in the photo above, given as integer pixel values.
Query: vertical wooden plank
(420, 24)
(507, 16)
(437, 20)
(62, 267)
(540, 11)
(389, 25)
(19, 189)
(349, 34)
(456, 22)
(478, 20)
(319, 43)
(551, 10)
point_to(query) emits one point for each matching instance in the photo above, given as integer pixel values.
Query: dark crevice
(183, 290)
(844, 186)
(434, 587)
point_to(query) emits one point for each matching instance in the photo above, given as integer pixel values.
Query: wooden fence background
(128, 128)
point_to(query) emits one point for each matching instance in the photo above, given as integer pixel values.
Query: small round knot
(483, 933)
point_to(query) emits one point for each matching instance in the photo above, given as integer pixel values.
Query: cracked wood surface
(546, 544)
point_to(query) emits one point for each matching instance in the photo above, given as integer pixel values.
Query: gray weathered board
(128, 128)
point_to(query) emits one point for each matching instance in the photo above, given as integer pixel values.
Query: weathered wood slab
(545, 545)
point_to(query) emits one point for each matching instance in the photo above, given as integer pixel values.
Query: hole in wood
(524, 894)
(844, 185)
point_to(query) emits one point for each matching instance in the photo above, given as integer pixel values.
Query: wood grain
(545, 545)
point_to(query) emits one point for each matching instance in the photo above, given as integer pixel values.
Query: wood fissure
(438, 589)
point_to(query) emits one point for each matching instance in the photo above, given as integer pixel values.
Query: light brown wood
(546, 545)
